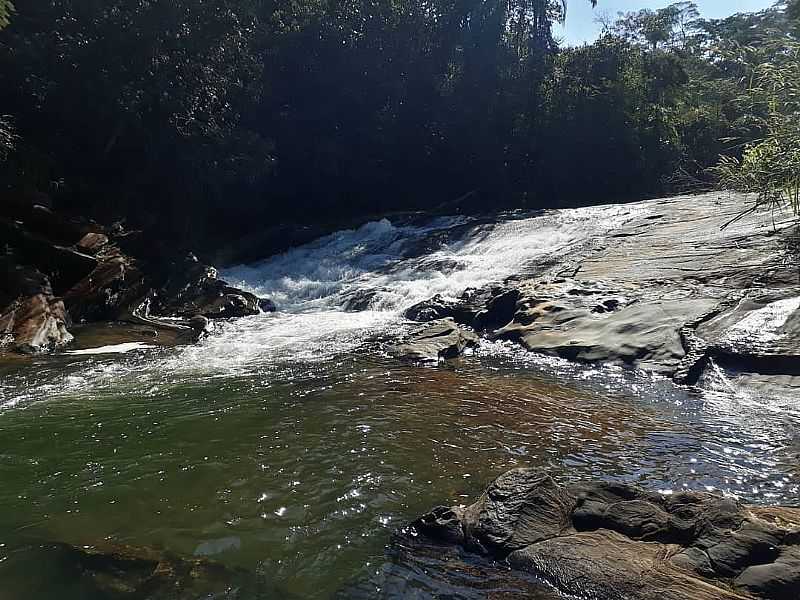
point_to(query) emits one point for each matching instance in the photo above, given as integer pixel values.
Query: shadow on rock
(611, 541)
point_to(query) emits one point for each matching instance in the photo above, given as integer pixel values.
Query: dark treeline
(206, 119)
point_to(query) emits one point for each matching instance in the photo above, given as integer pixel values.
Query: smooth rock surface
(611, 541)
(670, 291)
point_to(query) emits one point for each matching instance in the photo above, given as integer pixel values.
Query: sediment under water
(291, 446)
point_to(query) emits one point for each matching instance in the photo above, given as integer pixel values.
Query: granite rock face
(669, 291)
(610, 541)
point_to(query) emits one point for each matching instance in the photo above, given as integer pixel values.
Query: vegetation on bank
(770, 164)
(197, 119)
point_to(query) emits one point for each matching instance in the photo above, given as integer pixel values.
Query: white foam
(112, 349)
(311, 284)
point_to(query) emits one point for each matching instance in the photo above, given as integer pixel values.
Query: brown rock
(35, 324)
(609, 541)
(92, 243)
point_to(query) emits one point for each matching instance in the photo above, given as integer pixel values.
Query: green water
(300, 473)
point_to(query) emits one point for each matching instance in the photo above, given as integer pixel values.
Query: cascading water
(390, 268)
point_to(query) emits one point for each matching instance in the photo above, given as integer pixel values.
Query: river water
(291, 446)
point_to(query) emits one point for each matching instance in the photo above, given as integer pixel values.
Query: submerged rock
(440, 340)
(610, 541)
(118, 571)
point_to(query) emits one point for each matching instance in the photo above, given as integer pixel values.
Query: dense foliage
(206, 117)
(770, 164)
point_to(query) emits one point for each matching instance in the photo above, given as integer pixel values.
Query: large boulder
(439, 340)
(609, 541)
(32, 319)
(194, 289)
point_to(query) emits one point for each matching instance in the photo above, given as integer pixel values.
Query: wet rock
(463, 310)
(779, 579)
(92, 243)
(266, 305)
(610, 541)
(499, 311)
(32, 320)
(434, 309)
(35, 324)
(607, 565)
(200, 323)
(108, 292)
(759, 333)
(668, 292)
(98, 275)
(361, 300)
(552, 318)
(440, 340)
(194, 289)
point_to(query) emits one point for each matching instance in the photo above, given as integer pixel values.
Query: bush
(770, 165)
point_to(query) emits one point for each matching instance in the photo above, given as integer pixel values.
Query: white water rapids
(397, 266)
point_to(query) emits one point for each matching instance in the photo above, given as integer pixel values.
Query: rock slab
(439, 340)
(608, 541)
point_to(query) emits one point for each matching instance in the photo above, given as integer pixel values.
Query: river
(291, 445)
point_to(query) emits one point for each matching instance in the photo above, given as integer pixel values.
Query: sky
(580, 26)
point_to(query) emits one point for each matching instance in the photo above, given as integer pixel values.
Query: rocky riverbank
(681, 284)
(684, 288)
(58, 273)
(611, 541)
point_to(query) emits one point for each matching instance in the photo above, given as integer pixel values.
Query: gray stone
(608, 541)
(440, 340)
(779, 580)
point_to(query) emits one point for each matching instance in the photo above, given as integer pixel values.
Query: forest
(196, 119)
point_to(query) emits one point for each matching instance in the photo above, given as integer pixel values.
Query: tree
(142, 98)
(670, 27)
(770, 165)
